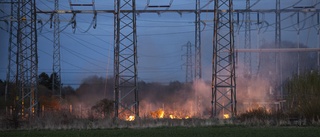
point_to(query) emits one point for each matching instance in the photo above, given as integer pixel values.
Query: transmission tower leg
(11, 77)
(23, 59)
(56, 66)
(198, 66)
(125, 60)
(247, 37)
(189, 64)
(197, 56)
(223, 73)
(278, 69)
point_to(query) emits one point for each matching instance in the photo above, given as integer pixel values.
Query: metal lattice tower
(278, 68)
(56, 67)
(125, 59)
(11, 77)
(197, 43)
(247, 37)
(197, 56)
(188, 64)
(23, 58)
(223, 73)
(2, 16)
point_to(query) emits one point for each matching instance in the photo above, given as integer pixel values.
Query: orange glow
(177, 117)
(226, 116)
(130, 118)
(157, 114)
(172, 116)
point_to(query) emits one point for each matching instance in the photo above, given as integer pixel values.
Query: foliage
(47, 81)
(303, 95)
(94, 88)
(2, 88)
(259, 113)
(44, 80)
(104, 107)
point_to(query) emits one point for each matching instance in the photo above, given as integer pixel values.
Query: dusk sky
(87, 51)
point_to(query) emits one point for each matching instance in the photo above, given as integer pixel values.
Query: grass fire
(220, 68)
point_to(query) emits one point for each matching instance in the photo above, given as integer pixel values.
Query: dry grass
(66, 121)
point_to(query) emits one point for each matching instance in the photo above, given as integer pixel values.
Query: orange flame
(172, 116)
(226, 116)
(130, 118)
(158, 113)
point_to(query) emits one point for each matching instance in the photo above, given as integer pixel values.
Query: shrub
(303, 95)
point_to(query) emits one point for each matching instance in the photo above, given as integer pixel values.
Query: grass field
(215, 131)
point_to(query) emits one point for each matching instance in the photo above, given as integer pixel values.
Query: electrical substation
(236, 43)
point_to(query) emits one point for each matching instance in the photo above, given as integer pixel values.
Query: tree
(303, 95)
(104, 107)
(56, 83)
(2, 87)
(92, 87)
(44, 79)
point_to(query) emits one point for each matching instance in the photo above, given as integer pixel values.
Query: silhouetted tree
(2, 87)
(44, 79)
(303, 95)
(104, 107)
(56, 83)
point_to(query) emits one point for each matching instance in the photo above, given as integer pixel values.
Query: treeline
(95, 88)
(303, 98)
(303, 93)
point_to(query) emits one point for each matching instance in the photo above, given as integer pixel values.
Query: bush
(303, 95)
(105, 107)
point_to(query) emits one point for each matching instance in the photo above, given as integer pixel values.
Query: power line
(67, 62)
(86, 46)
(77, 54)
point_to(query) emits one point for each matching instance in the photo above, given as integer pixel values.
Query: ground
(213, 131)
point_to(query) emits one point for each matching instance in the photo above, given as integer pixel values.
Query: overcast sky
(160, 38)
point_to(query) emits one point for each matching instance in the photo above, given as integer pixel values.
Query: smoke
(178, 99)
(203, 94)
(253, 92)
(262, 88)
(258, 89)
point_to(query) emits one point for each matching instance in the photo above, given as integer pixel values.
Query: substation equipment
(23, 56)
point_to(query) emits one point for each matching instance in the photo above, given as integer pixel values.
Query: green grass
(218, 131)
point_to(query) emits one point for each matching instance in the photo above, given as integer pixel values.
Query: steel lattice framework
(23, 58)
(56, 66)
(223, 73)
(125, 59)
(278, 68)
(188, 64)
(197, 42)
(247, 38)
